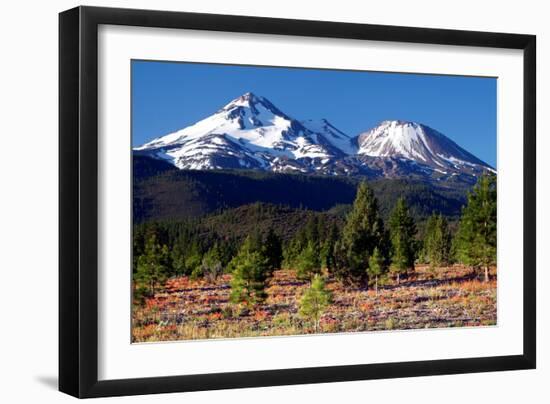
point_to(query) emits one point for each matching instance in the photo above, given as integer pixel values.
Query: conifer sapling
(314, 301)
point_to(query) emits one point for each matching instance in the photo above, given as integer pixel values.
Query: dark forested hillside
(163, 192)
(260, 217)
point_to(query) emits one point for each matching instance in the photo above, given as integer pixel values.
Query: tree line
(365, 250)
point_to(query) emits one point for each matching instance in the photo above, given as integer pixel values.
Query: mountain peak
(417, 142)
(256, 104)
(249, 132)
(400, 123)
(248, 99)
(248, 95)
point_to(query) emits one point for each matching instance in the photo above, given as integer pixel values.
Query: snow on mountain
(419, 143)
(249, 132)
(334, 136)
(252, 133)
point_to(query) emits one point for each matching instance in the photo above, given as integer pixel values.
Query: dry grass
(448, 297)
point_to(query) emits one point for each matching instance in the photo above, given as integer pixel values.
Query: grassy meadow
(188, 309)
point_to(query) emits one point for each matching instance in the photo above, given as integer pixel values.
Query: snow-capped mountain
(419, 143)
(249, 132)
(252, 133)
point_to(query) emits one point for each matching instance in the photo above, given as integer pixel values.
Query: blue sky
(168, 96)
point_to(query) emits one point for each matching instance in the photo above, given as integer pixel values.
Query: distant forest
(161, 192)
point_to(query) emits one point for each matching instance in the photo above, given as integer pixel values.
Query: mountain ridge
(250, 132)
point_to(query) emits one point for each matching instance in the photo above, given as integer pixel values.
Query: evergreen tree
(138, 245)
(273, 250)
(193, 259)
(211, 264)
(362, 233)
(476, 239)
(152, 266)
(290, 253)
(301, 237)
(402, 236)
(308, 262)
(227, 250)
(314, 301)
(437, 241)
(377, 267)
(178, 262)
(312, 229)
(293, 250)
(251, 269)
(256, 240)
(179, 251)
(327, 248)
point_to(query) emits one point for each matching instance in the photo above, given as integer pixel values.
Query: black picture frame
(78, 201)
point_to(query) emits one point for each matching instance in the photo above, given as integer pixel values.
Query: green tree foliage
(317, 236)
(152, 266)
(476, 239)
(327, 248)
(402, 236)
(353, 241)
(437, 241)
(192, 259)
(377, 267)
(251, 269)
(182, 240)
(308, 263)
(256, 240)
(312, 231)
(178, 263)
(362, 233)
(211, 266)
(273, 249)
(294, 248)
(314, 301)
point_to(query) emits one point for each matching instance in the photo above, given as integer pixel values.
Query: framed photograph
(252, 202)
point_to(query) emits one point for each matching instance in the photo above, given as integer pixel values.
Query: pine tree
(437, 241)
(178, 262)
(178, 253)
(273, 250)
(293, 249)
(476, 239)
(251, 269)
(227, 250)
(256, 240)
(152, 266)
(402, 236)
(290, 252)
(377, 267)
(193, 259)
(362, 233)
(314, 301)
(312, 229)
(308, 262)
(327, 248)
(211, 265)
